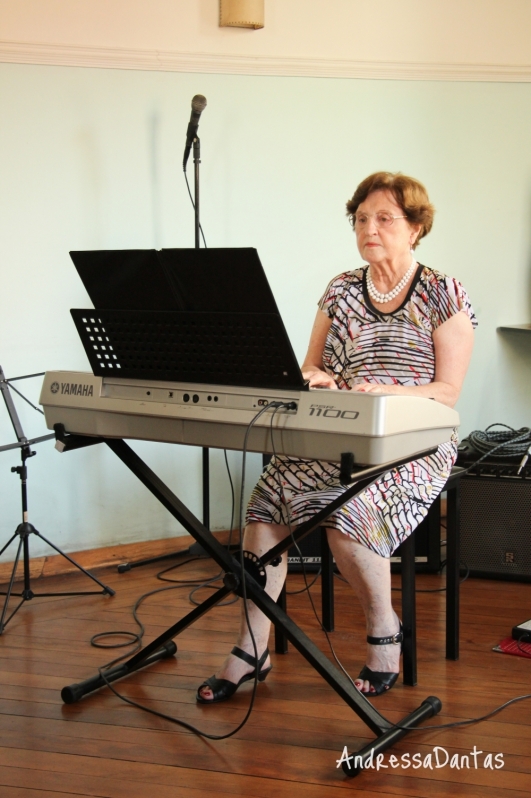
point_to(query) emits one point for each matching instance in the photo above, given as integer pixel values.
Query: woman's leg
(369, 575)
(258, 538)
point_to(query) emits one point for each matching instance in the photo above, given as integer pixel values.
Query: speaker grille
(495, 527)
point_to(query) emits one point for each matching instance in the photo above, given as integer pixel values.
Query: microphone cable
(193, 206)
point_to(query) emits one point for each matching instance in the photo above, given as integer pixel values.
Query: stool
(407, 548)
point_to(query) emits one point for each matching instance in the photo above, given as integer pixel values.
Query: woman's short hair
(408, 193)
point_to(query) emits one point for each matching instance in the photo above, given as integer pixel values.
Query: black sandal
(222, 689)
(381, 681)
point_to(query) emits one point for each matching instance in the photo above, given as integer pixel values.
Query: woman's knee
(260, 537)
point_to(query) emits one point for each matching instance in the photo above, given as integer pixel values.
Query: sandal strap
(249, 659)
(385, 641)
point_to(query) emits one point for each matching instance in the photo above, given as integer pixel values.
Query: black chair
(407, 551)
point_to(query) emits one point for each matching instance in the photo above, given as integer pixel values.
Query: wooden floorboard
(101, 746)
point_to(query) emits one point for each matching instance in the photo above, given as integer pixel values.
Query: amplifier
(495, 523)
(492, 466)
(427, 547)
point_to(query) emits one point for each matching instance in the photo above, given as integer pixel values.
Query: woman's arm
(453, 342)
(312, 368)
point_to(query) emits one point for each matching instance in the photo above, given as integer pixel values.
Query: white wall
(90, 158)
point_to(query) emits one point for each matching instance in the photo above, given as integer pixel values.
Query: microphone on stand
(198, 105)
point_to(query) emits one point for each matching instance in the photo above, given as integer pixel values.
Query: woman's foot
(239, 667)
(383, 662)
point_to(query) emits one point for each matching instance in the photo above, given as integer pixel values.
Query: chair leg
(281, 641)
(409, 622)
(452, 570)
(327, 583)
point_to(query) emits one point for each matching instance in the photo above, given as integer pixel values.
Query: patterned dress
(367, 345)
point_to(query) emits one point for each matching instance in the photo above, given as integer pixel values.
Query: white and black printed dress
(368, 345)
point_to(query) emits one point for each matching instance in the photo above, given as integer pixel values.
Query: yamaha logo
(54, 387)
(75, 389)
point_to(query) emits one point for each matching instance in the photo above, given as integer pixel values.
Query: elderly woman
(393, 327)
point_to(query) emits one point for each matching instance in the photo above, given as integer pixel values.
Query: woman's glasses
(381, 219)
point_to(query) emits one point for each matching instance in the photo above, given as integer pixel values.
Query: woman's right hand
(319, 379)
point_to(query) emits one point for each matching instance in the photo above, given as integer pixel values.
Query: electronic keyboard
(319, 424)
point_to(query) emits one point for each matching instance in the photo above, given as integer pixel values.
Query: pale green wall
(90, 159)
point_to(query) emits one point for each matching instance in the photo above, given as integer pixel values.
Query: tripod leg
(10, 588)
(9, 542)
(106, 589)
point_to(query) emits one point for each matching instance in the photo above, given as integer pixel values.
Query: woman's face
(379, 244)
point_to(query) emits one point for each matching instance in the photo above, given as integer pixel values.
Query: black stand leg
(367, 755)
(25, 529)
(128, 566)
(161, 648)
(9, 591)
(409, 624)
(386, 732)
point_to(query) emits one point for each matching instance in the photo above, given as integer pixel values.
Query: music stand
(193, 315)
(25, 529)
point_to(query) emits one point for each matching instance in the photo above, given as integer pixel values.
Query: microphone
(198, 105)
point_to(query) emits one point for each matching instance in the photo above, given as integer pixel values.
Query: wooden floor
(297, 731)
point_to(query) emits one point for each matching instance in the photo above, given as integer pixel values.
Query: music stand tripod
(25, 529)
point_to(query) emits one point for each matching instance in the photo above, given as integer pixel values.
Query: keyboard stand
(387, 733)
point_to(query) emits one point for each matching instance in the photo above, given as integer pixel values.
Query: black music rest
(184, 315)
(247, 349)
(214, 280)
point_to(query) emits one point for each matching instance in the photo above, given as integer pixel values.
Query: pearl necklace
(383, 298)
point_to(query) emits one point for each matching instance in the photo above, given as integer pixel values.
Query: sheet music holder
(184, 315)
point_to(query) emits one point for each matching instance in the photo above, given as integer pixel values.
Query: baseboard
(93, 559)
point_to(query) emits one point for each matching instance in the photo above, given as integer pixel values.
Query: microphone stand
(197, 161)
(195, 548)
(206, 464)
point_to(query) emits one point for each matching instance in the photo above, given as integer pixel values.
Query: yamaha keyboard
(317, 424)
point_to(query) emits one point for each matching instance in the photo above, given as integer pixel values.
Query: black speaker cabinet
(495, 527)
(427, 547)
(310, 550)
